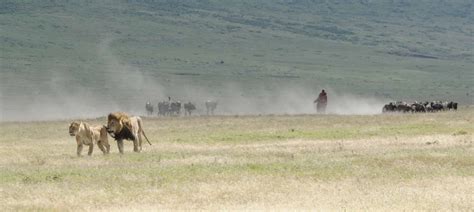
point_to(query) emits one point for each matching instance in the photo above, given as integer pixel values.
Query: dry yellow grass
(382, 162)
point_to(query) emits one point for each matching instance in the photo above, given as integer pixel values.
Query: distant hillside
(112, 54)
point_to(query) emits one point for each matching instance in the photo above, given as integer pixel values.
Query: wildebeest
(149, 108)
(418, 107)
(163, 108)
(175, 108)
(188, 108)
(428, 107)
(390, 107)
(404, 108)
(211, 106)
(452, 106)
(437, 106)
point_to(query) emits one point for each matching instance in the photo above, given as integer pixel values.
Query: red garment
(322, 98)
(321, 102)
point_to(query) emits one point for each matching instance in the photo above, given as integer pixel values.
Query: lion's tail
(143, 131)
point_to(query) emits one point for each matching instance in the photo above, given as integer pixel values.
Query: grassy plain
(379, 162)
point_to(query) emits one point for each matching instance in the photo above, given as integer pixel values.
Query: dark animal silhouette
(188, 108)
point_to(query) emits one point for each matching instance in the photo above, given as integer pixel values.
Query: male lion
(88, 135)
(121, 126)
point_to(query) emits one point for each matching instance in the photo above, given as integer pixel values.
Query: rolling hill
(63, 58)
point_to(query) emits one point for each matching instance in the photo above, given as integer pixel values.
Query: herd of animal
(120, 126)
(419, 107)
(173, 108)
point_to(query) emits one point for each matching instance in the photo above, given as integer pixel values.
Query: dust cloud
(285, 99)
(120, 87)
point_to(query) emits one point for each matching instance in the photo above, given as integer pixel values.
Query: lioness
(88, 135)
(121, 126)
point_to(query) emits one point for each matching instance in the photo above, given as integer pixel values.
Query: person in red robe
(321, 102)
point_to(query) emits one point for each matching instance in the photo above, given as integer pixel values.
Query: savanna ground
(379, 162)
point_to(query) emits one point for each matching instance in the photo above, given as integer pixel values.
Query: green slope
(126, 51)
